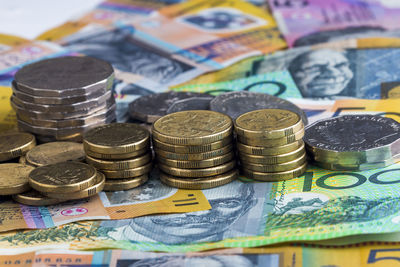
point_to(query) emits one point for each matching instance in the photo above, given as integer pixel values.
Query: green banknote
(319, 205)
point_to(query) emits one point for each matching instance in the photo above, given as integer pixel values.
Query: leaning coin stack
(354, 142)
(61, 98)
(122, 152)
(270, 146)
(194, 149)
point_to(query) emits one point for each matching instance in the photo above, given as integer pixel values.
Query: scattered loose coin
(268, 123)
(199, 183)
(119, 164)
(195, 173)
(117, 156)
(272, 142)
(15, 144)
(116, 138)
(14, 178)
(128, 173)
(274, 176)
(198, 156)
(269, 151)
(124, 184)
(195, 164)
(192, 149)
(63, 177)
(192, 127)
(92, 190)
(34, 198)
(55, 152)
(286, 166)
(282, 158)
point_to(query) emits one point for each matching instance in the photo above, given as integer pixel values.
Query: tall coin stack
(194, 149)
(270, 146)
(61, 98)
(122, 152)
(354, 142)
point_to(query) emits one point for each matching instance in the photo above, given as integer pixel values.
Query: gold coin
(199, 156)
(192, 149)
(195, 164)
(272, 142)
(34, 198)
(92, 190)
(117, 156)
(276, 167)
(282, 158)
(55, 152)
(128, 173)
(199, 183)
(268, 123)
(14, 178)
(269, 151)
(195, 173)
(63, 177)
(192, 127)
(125, 184)
(275, 176)
(15, 144)
(116, 138)
(118, 164)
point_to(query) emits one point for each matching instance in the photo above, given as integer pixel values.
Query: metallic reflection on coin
(14, 178)
(192, 103)
(15, 144)
(34, 198)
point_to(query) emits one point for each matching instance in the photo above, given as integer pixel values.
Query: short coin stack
(194, 149)
(15, 144)
(122, 152)
(354, 142)
(270, 146)
(60, 98)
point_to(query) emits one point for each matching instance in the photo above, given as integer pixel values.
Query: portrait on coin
(229, 204)
(322, 73)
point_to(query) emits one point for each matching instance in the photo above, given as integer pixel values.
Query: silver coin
(51, 100)
(93, 103)
(65, 76)
(93, 118)
(192, 103)
(149, 108)
(235, 104)
(356, 135)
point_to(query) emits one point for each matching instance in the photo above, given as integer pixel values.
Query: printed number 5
(373, 255)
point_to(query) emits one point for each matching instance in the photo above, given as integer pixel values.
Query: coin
(199, 183)
(195, 164)
(14, 178)
(63, 177)
(192, 127)
(269, 151)
(195, 173)
(198, 156)
(192, 149)
(236, 103)
(92, 190)
(248, 158)
(268, 123)
(117, 156)
(128, 173)
(55, 152)
(119, 164)
(150, 108)
(275, 176)
(125, 184)
(281, 167)
(364, 135)
(272, 142)
(15, 144)
(116, 138)
(192, 103)
(34, 198)
(65, 76)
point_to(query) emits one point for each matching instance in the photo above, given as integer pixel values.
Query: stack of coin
(194, 149)
(15, 144)
(270, 146)
(61, 98)
(354, 142)
(121, 151)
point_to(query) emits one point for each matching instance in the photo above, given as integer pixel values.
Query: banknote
(151, 198)
(8, 41)
(331, 20)
(8, 118)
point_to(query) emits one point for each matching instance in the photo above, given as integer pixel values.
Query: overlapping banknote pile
(338, 64)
